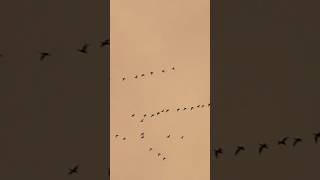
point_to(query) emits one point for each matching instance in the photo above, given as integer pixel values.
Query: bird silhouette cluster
(167, 110)
(144, 75)
(84, 49)
(262, 147)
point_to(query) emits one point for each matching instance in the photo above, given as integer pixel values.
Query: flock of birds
(142, 75)
(82, 50)
(264, 146)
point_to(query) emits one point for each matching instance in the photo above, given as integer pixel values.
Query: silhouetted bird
(132, 115)
(296, 141)
(150, 149)
(167, 110)
(141, 120)
(202, 105)
(191, 108)
(124, 138)
(73, 170)
(84, 49)
(159, 154)
(178, 109)
(163, 71)
(142, 75)
(173, 68)
(116, 135)
(239, 148)
(151, 73)
(136, 76)
(198, 106)
(164, 158)
(316, 136)
(184, 108)
(162, 110)
(283, 141)
(262, 146)
(158, 113)
(141, 134)
(104, 43)
(44, 55)
(142, 137)
(123, 78)
(182, 137)
(168, 136)
(145, 115)
(152, 115)
(217, 152)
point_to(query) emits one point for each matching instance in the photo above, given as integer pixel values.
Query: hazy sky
(153, 35)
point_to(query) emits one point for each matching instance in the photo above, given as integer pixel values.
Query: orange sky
(152, 35)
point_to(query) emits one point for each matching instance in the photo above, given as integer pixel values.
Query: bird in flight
(178, 109)
(239, 148)
(283, 141)
(141, 120)
(198, 106)
(150, 149)
(262, 146)
(144, 115)
(132, 115)
(184, 108)
(116, 135)
(159, 154)
(136, 76)
(123, 78)
(217, 152)
(151, 73)
(173, 68)
(163, 71)
(158, 113)
(202, 105)
(73, 170)
(44, 55)
(168, 136)
(104, 43)
(84, 49)
(142, 75)
(316, 136)
(164, 158)
(167, 110)
(191, 108)
(182, 137)
(152, 115)
(162, 110)
(296, 141)
(124, 138)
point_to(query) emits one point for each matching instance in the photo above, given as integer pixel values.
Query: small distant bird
(150, 149)
(116, 135)
(141, 120)
(84, 49)
(191, 108)
(124, 138)
(152, 115)
(178, 109)
(73, 170)
(136, 76)
(184, 108)
(104, 43)
(173, 68)
(159, 154)
(182, 137)
(239, 148)
(141, 134)
(158, 113)
(296, 141)
(217, 152)
(167, 110)
(123, 78)
(132, 115)
(164, 158)
(44, 55)
(283, 141)
(262, 146)
(162, 110)
(168, 136)
(151, 73)
(145, 115)
(316, 136)
(163, 71)
(198, 106)
(202, 105)
(142, 75)
(142, 137)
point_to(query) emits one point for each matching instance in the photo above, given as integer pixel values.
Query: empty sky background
(152, 35)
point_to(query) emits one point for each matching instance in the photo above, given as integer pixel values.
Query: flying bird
(136, 76)
(141, 120)
(152, 115)
(84, 49)
(44, 55)
(104, 43)
(198, 106)
(159, 154)
(116, 135)
(124, 138)
(168, 136)
(163, 71)
(316, 136)
(151, 73)
(217, 152)
(73, 170)
(162, 110)
(178, 109)
(182, 137)
(184, 108)
(191, 108)
(239, 148)
(158, 113)
(296, 141)
(144, 115)
(262, 146)
(173, 68)
(202, 105)
(150, 149)
(132, 115)
(283, 141)
(167, 110)
(123, 78)
(142, 75)
(164, 158)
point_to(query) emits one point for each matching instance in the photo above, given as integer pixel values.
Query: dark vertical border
(107, 94)
(213, 55)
